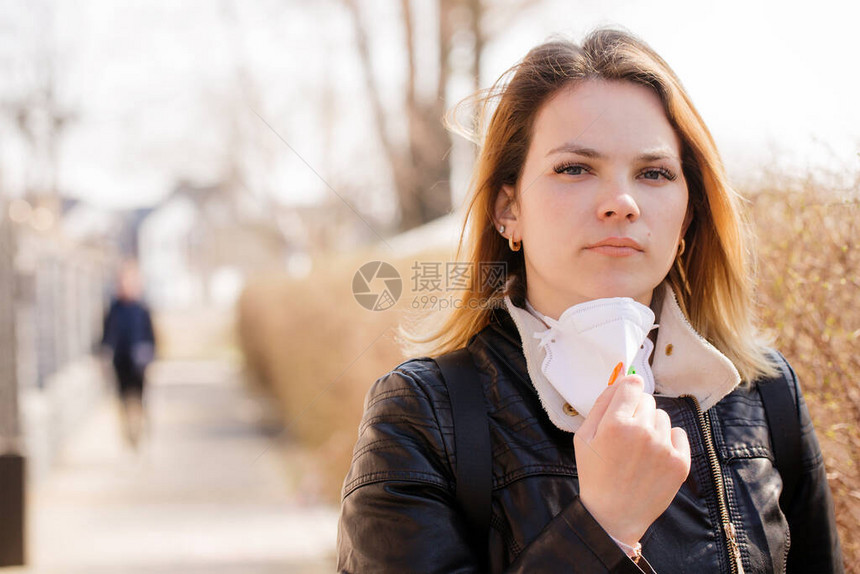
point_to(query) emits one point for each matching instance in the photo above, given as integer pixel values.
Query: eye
(570, 169)
(655, 173)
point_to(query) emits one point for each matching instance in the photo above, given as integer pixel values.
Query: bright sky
(158, 95)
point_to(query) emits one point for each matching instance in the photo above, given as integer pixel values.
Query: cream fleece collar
(684, 363)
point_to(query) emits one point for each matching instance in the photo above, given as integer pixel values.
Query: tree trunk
(421, 167)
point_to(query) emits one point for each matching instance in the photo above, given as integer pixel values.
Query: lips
(616, 247)
(617, 242)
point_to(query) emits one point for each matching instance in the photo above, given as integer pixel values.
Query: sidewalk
(207, 493)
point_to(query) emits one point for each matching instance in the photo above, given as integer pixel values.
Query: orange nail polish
(615, 372)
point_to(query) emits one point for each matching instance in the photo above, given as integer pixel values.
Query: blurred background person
(129, 340)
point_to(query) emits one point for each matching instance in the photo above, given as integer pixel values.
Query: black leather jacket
(399, 512)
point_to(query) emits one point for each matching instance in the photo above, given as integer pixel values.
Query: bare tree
(33, 103)
(421, 167)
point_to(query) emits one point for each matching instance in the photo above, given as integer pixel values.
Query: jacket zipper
(728, 528)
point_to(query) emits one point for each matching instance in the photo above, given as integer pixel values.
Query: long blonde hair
(712, 281)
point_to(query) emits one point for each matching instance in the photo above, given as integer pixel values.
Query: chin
(605, 292)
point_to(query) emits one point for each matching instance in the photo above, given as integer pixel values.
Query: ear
(505, 210)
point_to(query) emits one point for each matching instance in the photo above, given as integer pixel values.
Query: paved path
(208, 493)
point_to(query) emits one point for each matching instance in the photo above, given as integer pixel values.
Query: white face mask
(592, 345)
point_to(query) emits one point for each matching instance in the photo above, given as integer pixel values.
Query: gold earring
(682, 247)
(514, 245)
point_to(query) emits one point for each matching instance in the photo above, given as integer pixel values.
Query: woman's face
(601, 200)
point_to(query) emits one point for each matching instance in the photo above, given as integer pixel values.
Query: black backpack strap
(781, 408)
(471, 442)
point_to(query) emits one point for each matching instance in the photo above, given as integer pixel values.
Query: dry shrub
(808, 279)
(319, 351)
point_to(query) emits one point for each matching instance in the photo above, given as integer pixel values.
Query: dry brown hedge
(319, 351)
(808, 277)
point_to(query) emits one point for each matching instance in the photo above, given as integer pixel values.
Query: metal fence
(52, 297)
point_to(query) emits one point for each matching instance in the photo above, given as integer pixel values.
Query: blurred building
(199, 245)
(101, 228)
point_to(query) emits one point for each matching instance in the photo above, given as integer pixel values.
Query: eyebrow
(652, 155)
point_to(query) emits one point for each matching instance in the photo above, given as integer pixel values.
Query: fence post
(12, 483)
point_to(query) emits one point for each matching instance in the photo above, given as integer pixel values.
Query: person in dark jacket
(129, 338)
(601, 191)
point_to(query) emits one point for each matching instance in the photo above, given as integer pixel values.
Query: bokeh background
(252, 156)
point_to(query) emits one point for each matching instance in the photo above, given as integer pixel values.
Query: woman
(597, 180)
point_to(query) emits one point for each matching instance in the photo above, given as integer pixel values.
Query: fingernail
(619, 368)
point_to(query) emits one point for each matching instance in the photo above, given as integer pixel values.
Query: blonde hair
(712, 281)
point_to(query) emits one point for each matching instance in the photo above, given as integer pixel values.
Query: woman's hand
(631, 462)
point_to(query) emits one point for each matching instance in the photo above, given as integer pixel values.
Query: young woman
(597, 180)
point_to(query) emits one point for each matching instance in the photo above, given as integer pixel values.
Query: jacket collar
(684, 362)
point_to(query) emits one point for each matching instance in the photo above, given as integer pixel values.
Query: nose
(617, 202)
